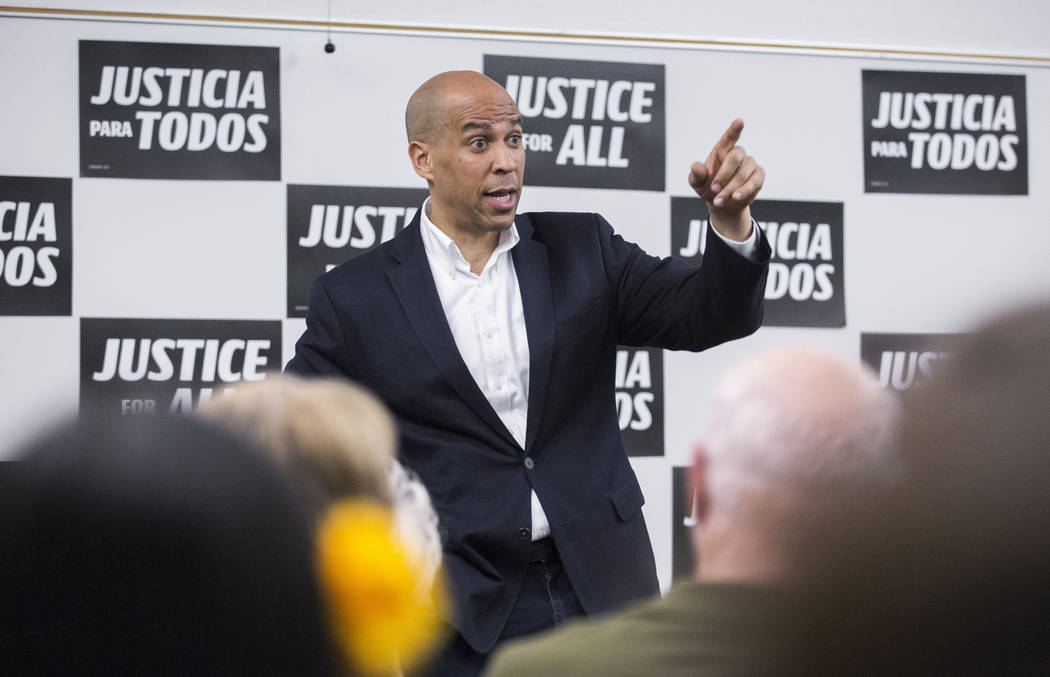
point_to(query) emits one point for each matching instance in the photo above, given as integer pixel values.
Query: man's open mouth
(504, 197)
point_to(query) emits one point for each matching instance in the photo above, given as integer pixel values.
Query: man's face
(478, 163)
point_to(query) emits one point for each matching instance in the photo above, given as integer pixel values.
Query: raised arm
(728, 181)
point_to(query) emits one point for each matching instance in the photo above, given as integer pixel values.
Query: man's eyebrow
(487, 126)
(483, 126)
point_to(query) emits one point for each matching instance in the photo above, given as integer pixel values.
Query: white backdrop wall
(217, 249)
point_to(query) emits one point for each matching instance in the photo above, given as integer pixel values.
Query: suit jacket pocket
(627, 499)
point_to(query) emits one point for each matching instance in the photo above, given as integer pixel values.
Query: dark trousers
(546, 599)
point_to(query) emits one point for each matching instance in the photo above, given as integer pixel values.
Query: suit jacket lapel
(413, 283)
(534, 280)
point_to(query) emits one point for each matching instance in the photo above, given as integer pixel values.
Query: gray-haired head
(789, 430)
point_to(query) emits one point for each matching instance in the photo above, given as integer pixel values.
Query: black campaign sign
(170, 111)
(331, 224)
(590, 124)
(640, 399)
(903, 361)
(683, 516)
(143, 366)
(945, 133)
(36, 246)
(805, 283)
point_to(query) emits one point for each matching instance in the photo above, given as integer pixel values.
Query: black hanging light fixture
(329, 46)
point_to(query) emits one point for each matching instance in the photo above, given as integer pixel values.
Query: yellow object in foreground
(381, 617)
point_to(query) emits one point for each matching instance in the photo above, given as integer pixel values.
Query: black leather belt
(543, 550)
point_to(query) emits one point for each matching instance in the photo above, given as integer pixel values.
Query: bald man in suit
(492, 336)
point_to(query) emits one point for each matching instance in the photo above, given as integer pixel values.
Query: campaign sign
(171, 111)
(36, 246)
(328, 225)
(805, 286)
(683, 514)
(142, 366)
(906, 360)
(640, 399)
(589, 124)
(964, 133)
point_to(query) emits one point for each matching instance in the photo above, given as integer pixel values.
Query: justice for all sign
(134, 366)
(589, 124)
(328, 225)
(903, 361)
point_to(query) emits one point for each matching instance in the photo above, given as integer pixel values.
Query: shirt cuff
(745, 248)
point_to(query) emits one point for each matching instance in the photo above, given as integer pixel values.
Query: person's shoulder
(697, 628)
(575, 648)
(609, 646)
(548, 220)
(562, 226)
(363, 266)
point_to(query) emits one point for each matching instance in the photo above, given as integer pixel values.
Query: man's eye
(478, 143)
(515, 139)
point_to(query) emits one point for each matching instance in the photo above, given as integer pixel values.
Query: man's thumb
(698, 175)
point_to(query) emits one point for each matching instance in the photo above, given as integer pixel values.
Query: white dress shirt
(487, 321)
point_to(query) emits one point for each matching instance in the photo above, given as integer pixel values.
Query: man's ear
(698, 484)
(419, 154)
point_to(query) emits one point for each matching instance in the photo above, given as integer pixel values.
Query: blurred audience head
(336, 440)
(378, 544)
(790, 432)
(951, 576)
(333, 438)
(156, 546)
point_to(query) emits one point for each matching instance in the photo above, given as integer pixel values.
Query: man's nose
(506, 159)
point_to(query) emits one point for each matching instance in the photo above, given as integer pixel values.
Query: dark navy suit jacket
(378, 320)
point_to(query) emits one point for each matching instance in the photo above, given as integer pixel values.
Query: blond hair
(332, 437)
(335, 440)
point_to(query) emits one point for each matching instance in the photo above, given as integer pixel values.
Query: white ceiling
(1007, 27)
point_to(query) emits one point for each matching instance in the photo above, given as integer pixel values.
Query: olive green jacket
(697, 629)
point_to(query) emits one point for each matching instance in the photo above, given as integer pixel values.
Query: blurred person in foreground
(379, 548)
(791, 433)
(156, 546)
(951, 577)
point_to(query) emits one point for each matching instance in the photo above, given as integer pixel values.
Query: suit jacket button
(524, 533)
(529, 463)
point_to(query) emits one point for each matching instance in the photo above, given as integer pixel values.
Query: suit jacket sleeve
(322, 350)
(668, 303)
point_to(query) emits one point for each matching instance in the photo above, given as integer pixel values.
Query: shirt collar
(444, 254)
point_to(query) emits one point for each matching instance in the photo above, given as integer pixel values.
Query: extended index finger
(729, 138)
